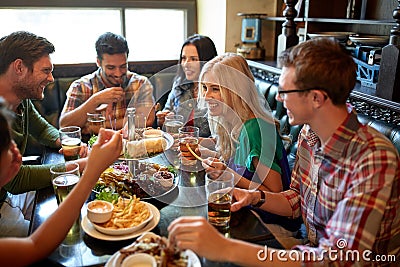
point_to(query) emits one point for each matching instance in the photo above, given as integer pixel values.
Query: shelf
(375, 100)
(352, 21)
(362, 98)
(281, 19)
(328, 20)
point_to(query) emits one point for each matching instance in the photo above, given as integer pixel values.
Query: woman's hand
(106, 149)
(161, 116)
(195, 233)
(208, 142)
(213, 167)
(204, 152)
(16, 161)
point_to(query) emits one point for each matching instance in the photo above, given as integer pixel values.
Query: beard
(114, 81)
(27, 89)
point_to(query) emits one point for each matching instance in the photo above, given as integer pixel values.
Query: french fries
(127, 213)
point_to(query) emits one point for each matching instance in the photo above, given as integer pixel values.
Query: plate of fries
(157, 247)
(89, 229)
(128, 216)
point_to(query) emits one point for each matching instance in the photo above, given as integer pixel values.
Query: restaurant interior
(258, 30)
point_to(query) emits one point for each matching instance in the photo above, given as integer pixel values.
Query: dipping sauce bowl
(99, 211)
(139, 259)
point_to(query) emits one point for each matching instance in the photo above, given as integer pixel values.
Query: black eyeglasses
(282, 93)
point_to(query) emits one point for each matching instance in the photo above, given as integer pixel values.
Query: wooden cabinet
(380, 78)
(377, 17)
(332, 16)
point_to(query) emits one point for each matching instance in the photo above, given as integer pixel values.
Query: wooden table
(187, 199)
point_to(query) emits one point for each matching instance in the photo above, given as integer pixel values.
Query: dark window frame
(188, 5)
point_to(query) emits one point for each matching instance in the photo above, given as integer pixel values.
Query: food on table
(139, 260)
(118, 181)
(145, 147)
(157, 247)
(147, 142)
(163, 175)
(152, 133)
(92, 140)
(99, 206)
(139, 132)
(127, 213)
(106, 194)
(99, 211)
(165, 178)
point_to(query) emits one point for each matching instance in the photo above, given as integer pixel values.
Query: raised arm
(196, 234)
(23, 251)
(79, 103)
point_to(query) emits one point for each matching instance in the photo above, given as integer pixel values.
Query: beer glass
(219, 197)
(64, 177)
(95, 121)
(171, 125)
(188, 135)
(71, 142)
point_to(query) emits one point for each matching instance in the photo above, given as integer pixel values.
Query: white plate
(167, 137)
(89, 229)
(115, 260)
(125, 231)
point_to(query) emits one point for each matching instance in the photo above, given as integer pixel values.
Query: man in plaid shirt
(112, 86)
(345, 182)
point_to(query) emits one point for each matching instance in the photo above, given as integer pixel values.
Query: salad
(118, 181)
(92, 140)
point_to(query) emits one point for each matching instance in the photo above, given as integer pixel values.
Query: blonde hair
(241, 99)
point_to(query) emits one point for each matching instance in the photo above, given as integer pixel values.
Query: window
(72, 36)
(154, 31)
(150, 38)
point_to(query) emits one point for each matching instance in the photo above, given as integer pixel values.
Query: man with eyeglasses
(109, 89)
(345, 182)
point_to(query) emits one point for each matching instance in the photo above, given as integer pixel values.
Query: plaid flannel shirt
(138, 89)
(348, 194)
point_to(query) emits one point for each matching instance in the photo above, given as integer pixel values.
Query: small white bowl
(139, 259)
(165, 182)
(124, 231)
(99, 211)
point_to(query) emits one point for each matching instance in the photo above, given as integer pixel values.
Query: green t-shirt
(259, 138)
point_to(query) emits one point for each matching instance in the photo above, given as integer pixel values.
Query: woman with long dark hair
(182, 99)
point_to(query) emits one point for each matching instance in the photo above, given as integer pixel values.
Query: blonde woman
(345, 181)
(248, 139)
